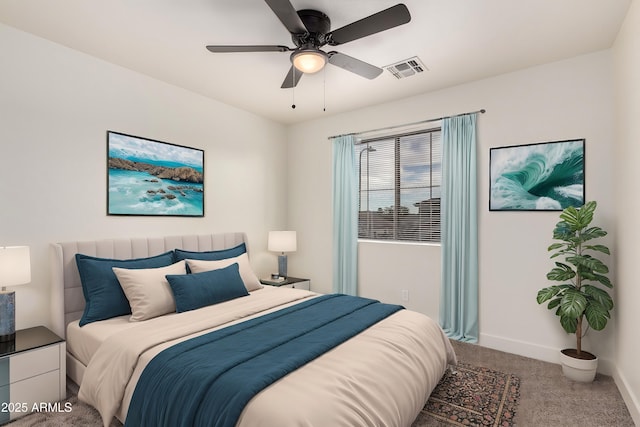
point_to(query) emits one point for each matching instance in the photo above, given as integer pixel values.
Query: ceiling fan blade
(292, 79)
(247, 48)
(354, 65)
(383, 20)
(287, 14)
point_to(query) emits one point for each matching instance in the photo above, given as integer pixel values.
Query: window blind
(400, 187)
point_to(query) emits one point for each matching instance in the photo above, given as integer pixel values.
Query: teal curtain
(459, 289)
(345, 216)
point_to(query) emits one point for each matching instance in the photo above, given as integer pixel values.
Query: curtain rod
(408, 124)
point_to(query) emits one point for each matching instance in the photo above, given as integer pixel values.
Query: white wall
(56, 105)
(627, 176)
(563, 100)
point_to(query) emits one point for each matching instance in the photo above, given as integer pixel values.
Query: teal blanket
(208, 380)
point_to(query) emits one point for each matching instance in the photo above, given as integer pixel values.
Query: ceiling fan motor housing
(318, 25)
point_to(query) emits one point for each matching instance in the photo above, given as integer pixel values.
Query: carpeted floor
(546, 398)
(80, 415)
(549, 399)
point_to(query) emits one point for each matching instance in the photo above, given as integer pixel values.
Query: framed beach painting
(546, 176)
(148, 177)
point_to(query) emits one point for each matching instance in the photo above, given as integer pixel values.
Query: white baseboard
(535, 351)
(630, 399)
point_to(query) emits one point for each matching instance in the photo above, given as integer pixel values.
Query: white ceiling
(458, 41)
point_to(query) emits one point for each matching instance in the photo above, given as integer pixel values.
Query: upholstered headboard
(67, 299)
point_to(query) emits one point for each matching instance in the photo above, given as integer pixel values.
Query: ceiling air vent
(407, 68)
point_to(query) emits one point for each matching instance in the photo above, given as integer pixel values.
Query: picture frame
(544, 176)
(146, 177)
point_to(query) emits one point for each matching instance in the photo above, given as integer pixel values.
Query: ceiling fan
(310, 30)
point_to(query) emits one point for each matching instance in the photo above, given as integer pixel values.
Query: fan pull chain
(324, 89)
(293, 88)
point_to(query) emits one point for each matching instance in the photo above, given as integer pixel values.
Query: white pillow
(251, 281)
(148, 290)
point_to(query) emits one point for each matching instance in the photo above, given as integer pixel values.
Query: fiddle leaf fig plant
(583, 276)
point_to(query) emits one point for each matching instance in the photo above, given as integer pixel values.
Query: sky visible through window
(419, 170)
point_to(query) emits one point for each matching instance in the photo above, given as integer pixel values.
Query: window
(399, 187)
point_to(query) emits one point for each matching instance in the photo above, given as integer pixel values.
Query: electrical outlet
(404, 294)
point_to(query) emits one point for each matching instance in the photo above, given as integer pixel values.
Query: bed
(381, 375)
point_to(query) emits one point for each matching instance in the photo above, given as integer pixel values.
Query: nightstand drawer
(43, 388)
(34, 362)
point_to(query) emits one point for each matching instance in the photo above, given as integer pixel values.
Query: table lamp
(15, 269)
(282, 241)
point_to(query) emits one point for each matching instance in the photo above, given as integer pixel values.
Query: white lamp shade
(282, 241)
(15, 265)
(309, 61)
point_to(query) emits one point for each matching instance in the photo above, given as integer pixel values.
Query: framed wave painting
(547, 176)
(148, 177)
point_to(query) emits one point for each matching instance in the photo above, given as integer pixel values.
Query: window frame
(397, 137)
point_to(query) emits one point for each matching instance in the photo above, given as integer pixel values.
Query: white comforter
(381, 377)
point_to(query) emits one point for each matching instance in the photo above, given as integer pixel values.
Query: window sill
(399, 242)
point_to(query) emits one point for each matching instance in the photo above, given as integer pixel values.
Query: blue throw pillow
(181, 254)
(192, 291)
(103, 294)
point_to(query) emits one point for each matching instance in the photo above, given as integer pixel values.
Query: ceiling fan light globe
(309, 61)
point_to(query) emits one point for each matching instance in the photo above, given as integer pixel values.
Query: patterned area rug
(473, 396)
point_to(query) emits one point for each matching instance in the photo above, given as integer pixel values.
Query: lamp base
(7, 316)
(8, 338)
(7, 347)
(282, 265)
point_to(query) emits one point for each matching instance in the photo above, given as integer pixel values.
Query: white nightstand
(32, 373)
(289, 282)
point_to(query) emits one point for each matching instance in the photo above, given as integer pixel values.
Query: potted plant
(580, 295)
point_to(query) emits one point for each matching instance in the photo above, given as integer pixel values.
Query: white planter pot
(578, 369)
